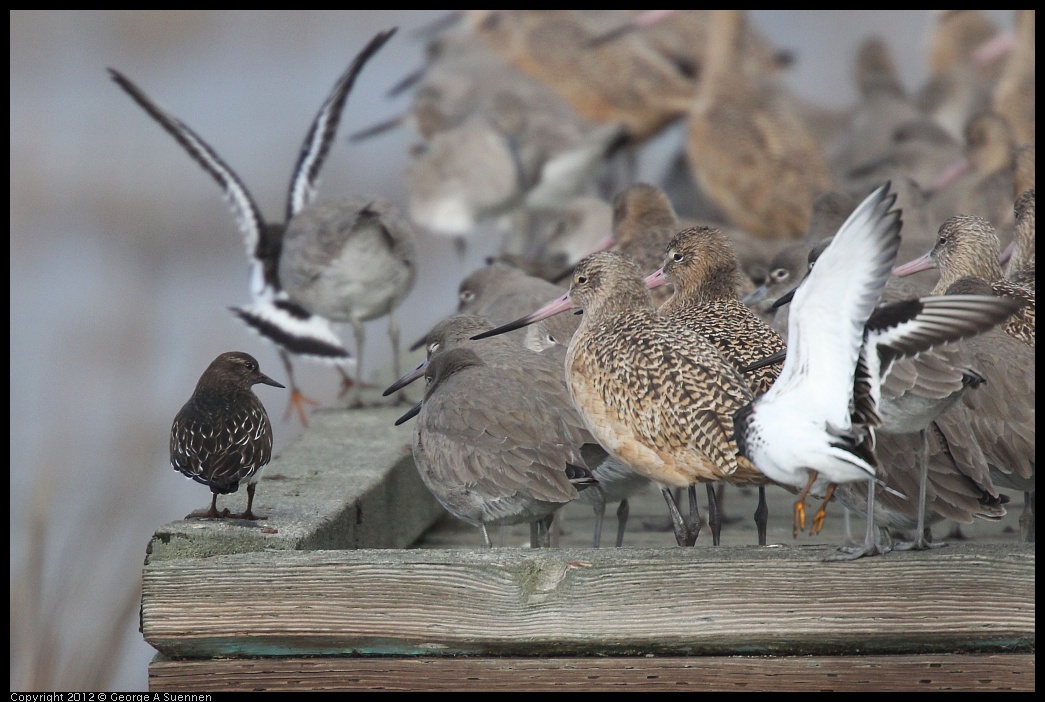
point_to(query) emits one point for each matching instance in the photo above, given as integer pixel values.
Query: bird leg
(212, 513)
(297, 399)
(357, 388)
(486, 537)
(248, 514)
(762, 516)
(1027, 518)
(694, 522)
(870, 546)
(393, 336)
(599, 507)
(682, 530)
(920, 541)
(622, 520)
(800, 504)
(714, 520)
(821, 514)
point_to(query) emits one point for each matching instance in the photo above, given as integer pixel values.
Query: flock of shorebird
(765, 338)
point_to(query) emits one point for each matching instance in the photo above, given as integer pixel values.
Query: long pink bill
(1006, 255)
(922, 263)
(560, 304)
(656, 279)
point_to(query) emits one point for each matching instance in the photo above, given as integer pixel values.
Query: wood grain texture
(707, 601)
(974, 672)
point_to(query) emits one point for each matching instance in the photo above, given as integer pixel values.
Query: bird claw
(800, 517)
(297, 402)
(818, 521)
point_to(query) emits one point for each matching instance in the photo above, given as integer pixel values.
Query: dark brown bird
(222, 435)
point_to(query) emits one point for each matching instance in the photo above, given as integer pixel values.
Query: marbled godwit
(959, 85)
(490, 454)
(1020, 253)
(754, 160)
(819, 430)
(1013, 96)
(634, 82)
(968, 246)
(656, 395)
(702, 266)
(276, 313)
(616, 481)
(982, 182)
(222, 436)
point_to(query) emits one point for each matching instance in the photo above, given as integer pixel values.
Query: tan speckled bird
(656, 395)
(1013, 96)
(1020, 253)
(968, 246)
(754, 159)
(701, 264)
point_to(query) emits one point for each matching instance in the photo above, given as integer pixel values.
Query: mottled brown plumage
(753, 158)
(1020, 269)
(968, 246)
(702, 266)
(655, 394)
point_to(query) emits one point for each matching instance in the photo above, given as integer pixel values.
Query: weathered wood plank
(708, 601)
(933, 672)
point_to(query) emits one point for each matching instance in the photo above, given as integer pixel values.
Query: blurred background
(125, 258)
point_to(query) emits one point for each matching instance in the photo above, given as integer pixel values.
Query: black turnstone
(222, 435)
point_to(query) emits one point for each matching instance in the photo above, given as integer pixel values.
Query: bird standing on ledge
(222, 435)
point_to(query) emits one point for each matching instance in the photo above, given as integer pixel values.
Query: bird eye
(250, 366)
(779, 273)
(581, 279)
(677, 257)
(941, 241)
(466, 296)
(433, 347)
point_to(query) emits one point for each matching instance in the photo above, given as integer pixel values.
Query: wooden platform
(452, 617)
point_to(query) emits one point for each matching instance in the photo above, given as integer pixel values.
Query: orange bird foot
(818, 521)
(297, 402)
(800, 517)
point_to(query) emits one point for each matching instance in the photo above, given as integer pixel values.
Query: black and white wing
(831, 307)
(324, 127)
(257, 236)
(909, 327)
